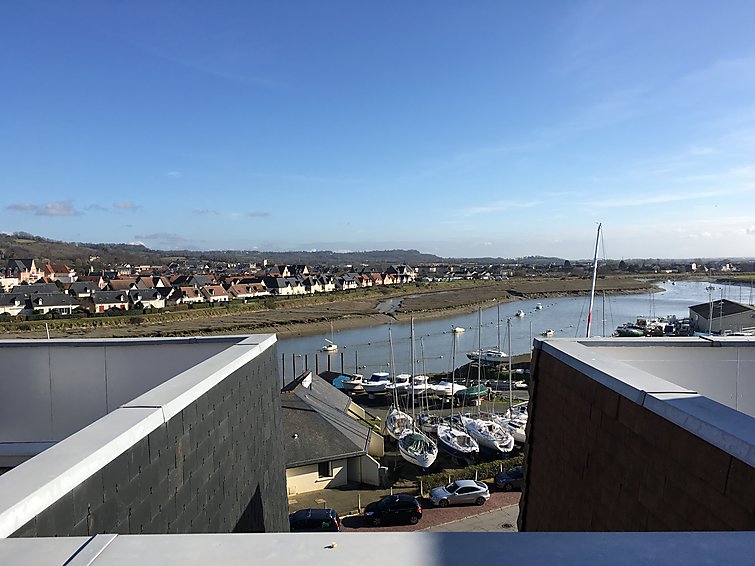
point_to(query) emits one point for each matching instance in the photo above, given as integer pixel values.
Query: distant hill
(78, 254)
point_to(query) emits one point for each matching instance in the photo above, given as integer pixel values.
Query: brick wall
(596, 461)
(215, 467)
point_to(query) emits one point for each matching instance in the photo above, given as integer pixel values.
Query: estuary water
(366, 350)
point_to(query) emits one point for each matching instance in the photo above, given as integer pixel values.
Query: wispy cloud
(258, 214)
(174, 174)
(22, 207)
(649, 199)
(97, 207)
(205, 211)
(498, 206)
(58, 208)
(750, 231)
(126, 206)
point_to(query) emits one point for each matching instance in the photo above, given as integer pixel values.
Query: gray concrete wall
(203, 454)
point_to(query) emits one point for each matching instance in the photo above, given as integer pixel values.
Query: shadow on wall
(253, 518)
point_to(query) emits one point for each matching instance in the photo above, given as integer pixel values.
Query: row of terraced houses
(56, 288)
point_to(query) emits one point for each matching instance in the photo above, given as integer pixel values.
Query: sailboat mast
(511, 394)
(479, 358)
(498, 318)
(453, 375)
(594, 278)
(411, 350)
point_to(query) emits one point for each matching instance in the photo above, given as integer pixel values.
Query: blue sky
(455, 128)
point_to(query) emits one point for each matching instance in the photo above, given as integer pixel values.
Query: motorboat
(472, 392)
(377, 383)
(488, 356)
(400, 383)
(520, 313)
(539, 307)
(446, 389)
(458, 329)
(548, 333)
(354, 383)
(420, 386)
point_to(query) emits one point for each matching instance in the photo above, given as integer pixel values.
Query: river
(368, 348)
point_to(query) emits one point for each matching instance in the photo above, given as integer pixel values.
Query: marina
(365, 350)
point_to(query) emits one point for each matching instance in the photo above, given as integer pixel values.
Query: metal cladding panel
(79, 392)
(25, 395)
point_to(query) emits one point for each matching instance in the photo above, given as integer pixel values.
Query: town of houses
(30, 289)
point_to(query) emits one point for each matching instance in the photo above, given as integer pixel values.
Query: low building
(326, 440)
(723, 317)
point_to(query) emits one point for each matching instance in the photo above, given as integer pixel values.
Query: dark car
(510, 479)
(314, 521)
(399, 508)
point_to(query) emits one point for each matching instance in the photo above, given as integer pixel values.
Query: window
(325, 469)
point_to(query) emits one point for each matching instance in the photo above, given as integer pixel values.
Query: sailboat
(487, 433)
(331, 346)
(514, 421)
(415, 446)
(397, 422)
(491, 355)
(453, 439)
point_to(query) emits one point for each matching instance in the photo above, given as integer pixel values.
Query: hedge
(485, 471)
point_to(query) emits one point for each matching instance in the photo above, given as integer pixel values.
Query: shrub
(136, 320)
(485, 471)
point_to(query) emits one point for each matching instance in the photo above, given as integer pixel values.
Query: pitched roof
(316, 426)
(103, 297)
(722, 307)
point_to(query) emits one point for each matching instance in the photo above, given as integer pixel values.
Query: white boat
(520, 313)
(456, 441)
(548, 333)
(447, 390)
(428, 423)
(377, 383)
(353, 384)
(331, 346)
(400, 383)
(414, 445)
(417, 448)
(397, 423)
(420, 387)
(488, 434)
(488, 356)
(539, 307)
(458, 329)
(515, 426)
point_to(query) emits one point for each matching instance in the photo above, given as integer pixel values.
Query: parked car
(460, 492)
(314, 521)
(510, 479)
(400, 508)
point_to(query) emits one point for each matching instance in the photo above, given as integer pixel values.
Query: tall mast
(411, 350)
(511, 394)
(594, 278)
(498, 317)
(479, 358)
(453, 375)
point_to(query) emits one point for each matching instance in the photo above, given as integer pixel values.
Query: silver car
(460, 492)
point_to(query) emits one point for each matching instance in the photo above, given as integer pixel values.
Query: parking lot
(433, 518)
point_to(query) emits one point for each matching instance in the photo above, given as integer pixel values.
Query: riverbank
(290, 319)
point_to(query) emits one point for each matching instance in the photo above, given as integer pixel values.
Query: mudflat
(287, 318)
